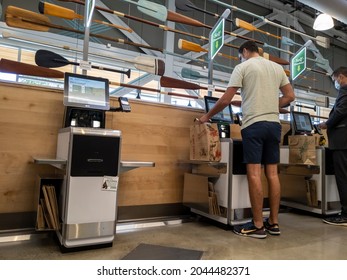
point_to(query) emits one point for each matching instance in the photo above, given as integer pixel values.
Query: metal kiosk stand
(89, 156)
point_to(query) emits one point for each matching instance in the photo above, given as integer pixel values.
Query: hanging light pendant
(323, 22)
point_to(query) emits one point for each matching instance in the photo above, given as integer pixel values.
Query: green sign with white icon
(217, 39)
(298, 63)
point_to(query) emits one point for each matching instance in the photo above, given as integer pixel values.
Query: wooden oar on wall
(21, 18)
(190, 46)
(20, 68)
(145, 63)
(171, 16)
(63, 13)
(14, 67)
(321, 41)
(58, 11)
(175, 83)
(186, 20)
(50, 59)
(195, 75)
(166, 28)
(250, 27)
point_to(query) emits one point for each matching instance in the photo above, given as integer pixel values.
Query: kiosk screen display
(225, 116)
(302, 122)
(86, 92)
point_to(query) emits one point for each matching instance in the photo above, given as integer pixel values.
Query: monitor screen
(86, 91)
(301, 122)
(224, 116)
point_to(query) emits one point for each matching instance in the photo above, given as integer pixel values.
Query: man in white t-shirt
(260, 81)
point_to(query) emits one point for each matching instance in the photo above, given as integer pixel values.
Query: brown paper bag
(302, 149)
(204, 142)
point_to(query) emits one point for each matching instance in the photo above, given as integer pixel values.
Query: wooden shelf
(207, 168)
(298, 169)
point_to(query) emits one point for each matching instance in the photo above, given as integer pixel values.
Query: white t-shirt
(259, 80)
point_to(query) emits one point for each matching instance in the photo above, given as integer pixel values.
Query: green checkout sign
(217, 38)
(298, 63)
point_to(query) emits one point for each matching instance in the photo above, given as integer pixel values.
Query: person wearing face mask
(336, 126)
(260, 81)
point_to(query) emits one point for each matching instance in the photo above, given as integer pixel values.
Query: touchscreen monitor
(225, 116)
(301, 122)
(86, 91)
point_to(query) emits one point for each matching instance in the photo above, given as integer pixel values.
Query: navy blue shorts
(261, 143)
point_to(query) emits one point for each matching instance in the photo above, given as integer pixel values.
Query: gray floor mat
(157, 252)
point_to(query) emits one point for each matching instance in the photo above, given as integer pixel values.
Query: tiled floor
(303, 237)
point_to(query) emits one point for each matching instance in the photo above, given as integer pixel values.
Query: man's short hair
(341, 70)
(250, 46)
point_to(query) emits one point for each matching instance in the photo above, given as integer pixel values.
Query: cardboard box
(199, 193)
(302, 149)
(311, 193)
(204, 142)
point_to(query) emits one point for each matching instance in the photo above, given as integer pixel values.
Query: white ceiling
(335, 8)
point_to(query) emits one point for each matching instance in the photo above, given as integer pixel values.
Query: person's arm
(287, 97)
(339, 113)
(220, 105)
(323, 125)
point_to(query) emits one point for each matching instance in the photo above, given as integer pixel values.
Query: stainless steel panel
(92, 131)
(89, 230)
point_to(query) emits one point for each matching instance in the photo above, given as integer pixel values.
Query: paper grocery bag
(204, 142)
(302, 149)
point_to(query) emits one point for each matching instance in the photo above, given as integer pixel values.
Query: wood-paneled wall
(29, 121)
(158, 133)
(30, 118)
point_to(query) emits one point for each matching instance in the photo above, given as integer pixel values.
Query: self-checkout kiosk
(88, 155)
(294, 195)
(88, 200)
(230, 186)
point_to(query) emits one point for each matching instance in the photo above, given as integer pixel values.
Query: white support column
(169, 39)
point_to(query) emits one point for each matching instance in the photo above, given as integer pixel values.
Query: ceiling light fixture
(323, 22)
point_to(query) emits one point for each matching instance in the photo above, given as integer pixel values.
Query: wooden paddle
(62, 12)
(154, 90)
(250, 27)
(190, 46)
(166, 28)
(58, 11)
(150, 8)
(161, 13)
(145, 63)
(21, 18)
(195, 75)
(50, 59)
(15, 67)
(289, 42)
(186, 5)
(172, 16)
(321, 41)
(176, 83)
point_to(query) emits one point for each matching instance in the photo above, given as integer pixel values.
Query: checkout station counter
(296, 178)
(228, 179)
(88, 156)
